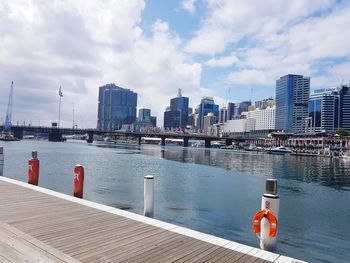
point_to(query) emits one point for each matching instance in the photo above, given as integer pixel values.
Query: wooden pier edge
(227, 244)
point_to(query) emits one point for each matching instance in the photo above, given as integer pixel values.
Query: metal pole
(148, 196)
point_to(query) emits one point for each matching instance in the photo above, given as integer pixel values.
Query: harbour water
(213, 191)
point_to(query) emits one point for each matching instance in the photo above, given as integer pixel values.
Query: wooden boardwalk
(39, 225)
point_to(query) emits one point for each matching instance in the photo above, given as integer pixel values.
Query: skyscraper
(344, 94)
(223, 115)
(329, 109)
(206, 106)
(230, 110)
(324, 111)
(116, 106)
(176, 116)
(243, 107)
(292, 95)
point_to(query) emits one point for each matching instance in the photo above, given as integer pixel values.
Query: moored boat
(5, 136)
(279, 150)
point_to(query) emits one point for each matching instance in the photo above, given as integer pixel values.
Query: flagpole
(59, 112)
(59, 106)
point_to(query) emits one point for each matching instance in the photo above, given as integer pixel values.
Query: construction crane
(8, 124)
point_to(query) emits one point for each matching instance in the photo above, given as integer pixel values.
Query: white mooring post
(270, 201)
(148, 196)
(1, 161)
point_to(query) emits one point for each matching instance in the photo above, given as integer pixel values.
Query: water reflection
(325, 171)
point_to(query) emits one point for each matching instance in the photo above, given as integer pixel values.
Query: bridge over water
(55, 134)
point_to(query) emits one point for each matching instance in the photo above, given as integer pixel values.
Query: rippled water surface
(213, 191)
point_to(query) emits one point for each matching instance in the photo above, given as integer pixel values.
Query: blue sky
(204, 47)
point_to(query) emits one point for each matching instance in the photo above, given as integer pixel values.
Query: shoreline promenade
(40, 225)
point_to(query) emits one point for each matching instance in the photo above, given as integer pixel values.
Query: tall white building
(264, 119)
(239, 125)
(258, 119)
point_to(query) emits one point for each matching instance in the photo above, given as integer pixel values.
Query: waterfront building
(329, 109)
(324, 111)
(116, 107)
(292, 95)
(206, 106)
(177, 114)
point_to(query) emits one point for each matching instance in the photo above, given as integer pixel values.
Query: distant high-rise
(230, 111)
(223, 115)
(116, 106)
(243, 107)
(209, 120)
(144, 114)
(263, 104)
(206, 106)
(177, 114)
(292, 95)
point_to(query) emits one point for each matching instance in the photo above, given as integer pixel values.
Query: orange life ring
(270, 217)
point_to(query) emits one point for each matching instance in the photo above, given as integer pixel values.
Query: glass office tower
(116, 106)
(206, 106)
(292, 95)
(177, 114)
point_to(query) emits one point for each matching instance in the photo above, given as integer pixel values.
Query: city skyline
(223, 49)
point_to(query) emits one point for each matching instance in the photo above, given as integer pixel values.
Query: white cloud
(222, 61)
(189, 6)
(230, 21)
(275, 38)
(82, 45)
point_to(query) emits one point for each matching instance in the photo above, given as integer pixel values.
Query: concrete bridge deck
(40, 225)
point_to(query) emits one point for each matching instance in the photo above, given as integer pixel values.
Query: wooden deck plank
(163, 247)
(169, 254)
(194, 251)
(195, 257)
(16, 246)
(119, 239)
(71, 233)
(133, 247)
(147, 244)
(90, 234)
